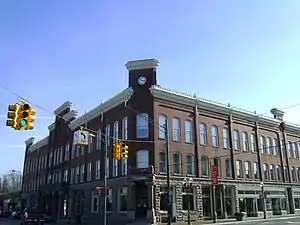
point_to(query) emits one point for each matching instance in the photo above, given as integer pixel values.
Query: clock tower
(142, 73)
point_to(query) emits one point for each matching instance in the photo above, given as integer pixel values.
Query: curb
(257, 220)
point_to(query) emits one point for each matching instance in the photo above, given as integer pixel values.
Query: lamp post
(188, 186)
(263, 199)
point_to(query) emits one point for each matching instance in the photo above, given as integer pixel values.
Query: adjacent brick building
(250, 151)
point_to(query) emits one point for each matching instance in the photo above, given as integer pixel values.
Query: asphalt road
(4, 221)
(286, 221)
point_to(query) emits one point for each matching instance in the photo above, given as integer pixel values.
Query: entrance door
(141, 199)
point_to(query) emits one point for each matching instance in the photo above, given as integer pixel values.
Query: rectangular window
(67, 152)
(256, 170)
(275, 147)
(228, 168)
(73, 151)
(248, 170)
(116, 132)
(163, 123)
(203, 134)
(214, 136)
(82, 173)
(142, 125)
(188, 131)
(99, 139)
(72, 176)
(107, 135)
(124, 166)
(176, 129)
(236, 139)
(124, 128)
(239, 170)
(279, 172)
(115, 167)
(263, 146)
(245, 141)
(65, 179)
(97, 171)
(269, 146)
(253, 142)
(272, 172)
(90, 146)
(89, 172)
(225, 138)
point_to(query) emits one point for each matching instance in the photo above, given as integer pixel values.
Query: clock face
(142, 80)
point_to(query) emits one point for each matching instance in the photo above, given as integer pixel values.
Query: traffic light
(12, 116)
(124, 151)
(26, 118)
(117, 151)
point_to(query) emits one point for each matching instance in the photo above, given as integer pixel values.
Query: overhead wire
(152, 122)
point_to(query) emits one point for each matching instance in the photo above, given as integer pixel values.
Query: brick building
(249, 150)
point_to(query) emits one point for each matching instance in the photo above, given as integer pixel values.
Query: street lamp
(263, 199)
(188, 188)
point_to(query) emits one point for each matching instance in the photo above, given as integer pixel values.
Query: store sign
(214, 175)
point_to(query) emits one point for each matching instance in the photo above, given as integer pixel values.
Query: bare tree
(11, 182)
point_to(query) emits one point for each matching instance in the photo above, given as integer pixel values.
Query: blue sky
(243, 52)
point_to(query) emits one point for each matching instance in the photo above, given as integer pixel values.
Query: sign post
(214, 183)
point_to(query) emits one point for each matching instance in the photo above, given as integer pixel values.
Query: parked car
(32, 216)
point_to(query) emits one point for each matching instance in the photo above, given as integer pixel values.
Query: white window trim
(142, 116)
(93, 196)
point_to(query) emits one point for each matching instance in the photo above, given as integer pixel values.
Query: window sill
(203, 145)
(204, 176)
(177, 174)
(189, 143)
(215, 146)
(163, 173)
(176, 141)
(190, 175)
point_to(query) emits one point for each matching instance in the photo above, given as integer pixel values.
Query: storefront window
(260, 205)
(297, 203)
(228, 199)
(283, 203)
(276, 204)
(206, 201)
(268, 204)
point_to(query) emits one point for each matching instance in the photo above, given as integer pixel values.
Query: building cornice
(192, 100)
(63, 107)
(142, 64)
(102, 108)
(29, 141)
(39, 144)
(71, 114)
(51, 127)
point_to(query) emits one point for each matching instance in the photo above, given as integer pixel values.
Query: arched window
(214, 136)
(176, 163)
(217, 163)
(190, 164)
(236, 139)
(142, 159)
(176, 129)
(248, 172)
(245, 141)
(204, 166)
(228, 168)
(162, 121)
(266, 171)
(162, 162)
(203, 134)
(188, 131)
(239, 168)
(142, 125)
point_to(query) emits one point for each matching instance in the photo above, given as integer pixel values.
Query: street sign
(81, 138)
(214, 175)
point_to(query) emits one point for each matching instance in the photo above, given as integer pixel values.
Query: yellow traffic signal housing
(12, 116)
(26, 118)
(117, 151)
(124, 151)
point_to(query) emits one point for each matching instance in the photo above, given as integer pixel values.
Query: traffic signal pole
(168, 175)
(105, 181)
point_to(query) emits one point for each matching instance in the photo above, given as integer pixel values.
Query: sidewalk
(247, 220)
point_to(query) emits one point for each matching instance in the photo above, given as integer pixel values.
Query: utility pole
(168, 176)
(105, 180)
